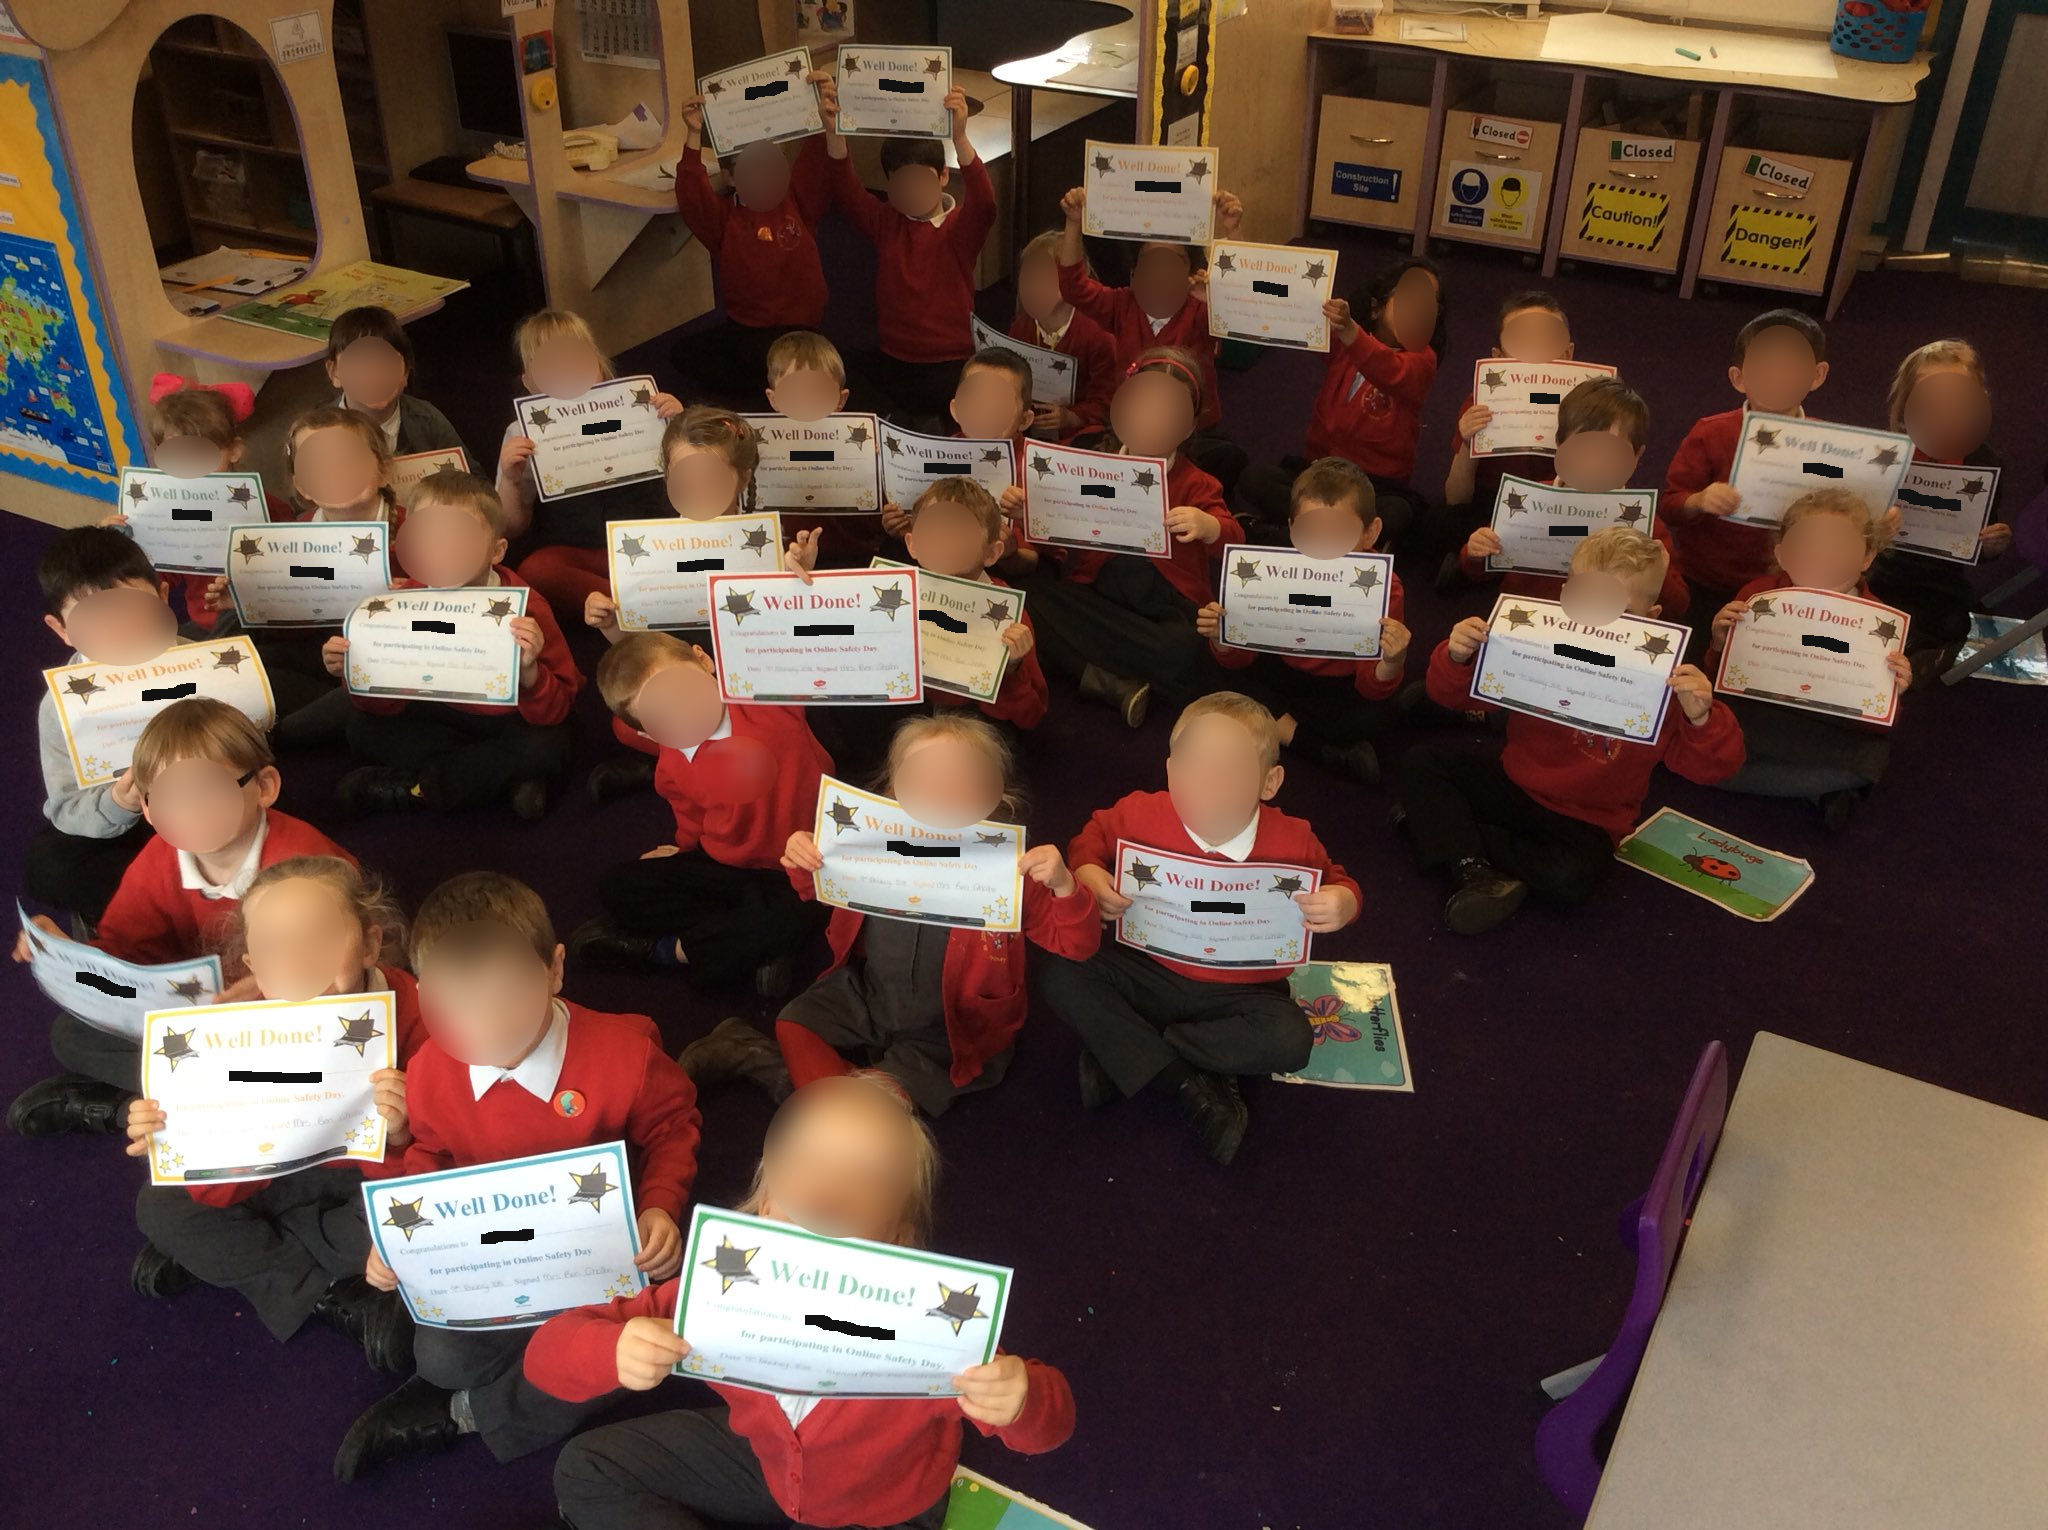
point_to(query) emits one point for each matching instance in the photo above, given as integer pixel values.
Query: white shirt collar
(1051, 338)
(946, 206)
(192, 879)
(541, 1068)
(389, 427)
(723, 730)
(1158, 324)
(1236, 848)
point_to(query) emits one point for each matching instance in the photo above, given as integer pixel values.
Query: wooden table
(490, 212)
(1856, 1337)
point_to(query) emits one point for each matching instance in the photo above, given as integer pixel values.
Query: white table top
(1856, 1337)
(1103, 62)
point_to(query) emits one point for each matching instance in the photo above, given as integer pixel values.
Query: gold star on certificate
(1104, 164)
(1885, 630)
(848, 64)
(1198, 171)
(1763, 438)
(993, 454)
(249, 547)
(892, 446)
(856, 434)
(1143, 875)
(730, 1264)
(406, 1216)
(644, 397)
(1246, 571)
(238, 494)
(1058, 363)
(365, 548)
(841, 814)
(1517, 617)
(632, 549)
(191, 990)
(957, 1307)
(1289, 885)
(1885, 456)
(138, 491)
(739, 605)
(176, 1047)
(992, 839)
(498, 610)
(889, 599)
(716, 88)
(755, 540)
(229, 658)
(540, 418)
(1630, 514)
(1761, 606)
(1367, 578)
(1973, 488)
(1312, 272)
(375, 607)
(997, 614)
(1516, 501)
(796, 66)
(1226, 263)
(358, 1031)
(1493, 380)
(591, 1188)
(1656, 645)
(1040, 464)
(935, 66)
(1144, 478)
(84, 687)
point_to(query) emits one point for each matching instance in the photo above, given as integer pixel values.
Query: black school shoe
(735, 1049)
(613, 779)
(67, 1105)
(602, 943)
(370, 789)
(1357, 760)
(158, 1276)
(1211, 1104)
(1129, 697)
(377, 1320)
(1484, 898)
(1097, 1087)
(414, 1420)
(530, 799)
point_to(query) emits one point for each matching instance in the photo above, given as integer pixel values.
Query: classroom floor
(1343, 1330)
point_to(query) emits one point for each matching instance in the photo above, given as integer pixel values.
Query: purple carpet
(1344, 1329)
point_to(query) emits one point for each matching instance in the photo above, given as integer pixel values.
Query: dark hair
(88, 559)
(1601, 403)
(1335, 481)
(898, 152)
(1196, 255)
(1522, 302)
(369, 323)
(1373, 294)
(999, 358)
(1782, 318)
(483, 908)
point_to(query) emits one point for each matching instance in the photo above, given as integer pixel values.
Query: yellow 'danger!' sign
(1768, 239)
(1624, 216)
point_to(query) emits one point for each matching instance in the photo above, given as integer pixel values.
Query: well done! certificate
(306, 573)
(611, 434)
(414, 468)
(1540, 526)
(260, 1090)
(895, 90)
(1612, 679)
(1817, 650)
(771, 1307)
(1098, 500)
(437, 645)
(108, 993)
(1270, 294)
(1524, 396)
(765, 98)
(912, 463)
(661, 569)
(1053, 373)
(182, 523)
(1213, 913)
(1280, 600)
(961, 624)
(1149, 191)
(510, 1244)
(103, 708)
(828, 466)
(849, 636)
(880, 860)
(1942, 510)
(1779, 457)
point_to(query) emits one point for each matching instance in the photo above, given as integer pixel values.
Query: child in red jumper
(452, 755)
(206, 781)
(511, 1069)
(294, 1247)
(1546, 814)
(1181, 1029)
(1045, 318)
(848, 1158)
(1331, 708)
(956, 528)
(806, 379)
(1124, 624)
(991, 402)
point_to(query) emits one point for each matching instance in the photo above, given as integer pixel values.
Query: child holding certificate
(1546, 814)
(511, 1069)
(846, 1157)
(295, 1247)
(1532, 328)
(807, 381)
(1149, 1022)
(714, 902)
(1045, 318)
(370, 362)
(1124, 624)
(205, 780)
(957, 530)
(991, 402)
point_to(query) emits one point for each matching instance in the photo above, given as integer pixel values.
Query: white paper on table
(661, 569)
(765, 98)
(1612, 680)
(1099, 500)
(306, 573)
(897, 91)
(408, 471)
(437, 645)
(828, 466)
(608, 435)
(1213, 913)
(1281, 600)
(513, 1243)
(1595, 38)
(1524, 396)
(232, 270)
(108, 993)
(103, 708)
(881, 860)
(1779, 457)
(1942, 510)
(772, 1307)
(1541, 525)
(912, 463)
(849, 636)
(1271, 294)
(1816, 650)
(265, 1089)
(182, 523)
(1150, 192)
(1053, 373)
(961, 625)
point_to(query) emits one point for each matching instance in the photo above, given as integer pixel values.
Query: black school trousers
(463, 759)
(1462, 806)
(1327, 709)
(99, 1054)
(513, 1416)
(76, 873)
(730, 919)
(1128, 621)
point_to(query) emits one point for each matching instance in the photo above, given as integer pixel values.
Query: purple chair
(1566, 1450)
(2030, 541)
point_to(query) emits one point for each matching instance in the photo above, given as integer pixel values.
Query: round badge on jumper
(569, 1103)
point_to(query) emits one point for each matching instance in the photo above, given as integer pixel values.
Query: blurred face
(305, 941)
(1152, 413)
(702, 485)
(988, 403)
(204, 806)
(567, 366)
(370, 374)
(1948, 412)
(916, 190)
(1778, 371)
(1038, 285)
(806, 395)
(1597, 459)
(1215, 777)
(1409, 314)
(760, 176)
(841, 1161)
(1825, 552)
(1160, 279)
(1596, 596)
(487, 998)
(195, 456)
(1535, 334)
(447, 545)
(950, 538)
(124, 625)
(1324, 530)
(678, 704)
(335, 468)
(947, 782)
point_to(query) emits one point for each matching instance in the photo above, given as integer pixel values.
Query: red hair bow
(240, 396)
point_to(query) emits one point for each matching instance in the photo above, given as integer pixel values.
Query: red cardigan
(1590, 777)
(767, 262)
(545, 700)
(924, 276)
(855, 1461)
(1148, 818)
(719, 801)
(1096, 373)
(631, 1090)
(1719, 554)
(1022, 698)
(1192, 569)
(1115, 310)
(1673, 598)
(153, 918)
(1364, 673)
(1369, 408)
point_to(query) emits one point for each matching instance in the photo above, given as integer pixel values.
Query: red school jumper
(924, 275)
(1192, 568)
(1094, 356)
(1130, 329)
(1363, 673)
(1369, 409)
(769, 274)
(742, 797)
(1719, 554)
(543, 702)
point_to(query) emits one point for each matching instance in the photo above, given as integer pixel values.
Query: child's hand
(1725, 620)
(693, 114)
(1189, 524)
(1694, 690)
(801, 556)
(1482, 544)
(1198, 284)
(125, 794)
(243, 990)
(514, 454)
(1471, 422)
(1394, 640)
(1463, 643)
(1043, 865)
(23, 951)
(802, 852)
(145, 1119)
(895, 519)
(1338, 312)
(1011, 502)
(215, 596)
(828, 97)
(334, 655)
(1209, 620)
(1057, 418)
(994, 1394)
(1098, 881)
(1074, 206)
(601, 611)
(1995, 540)
(1327, 908)
(662, 852)
(648, 1351)
(378, 1273)
(956, 108)
(527, 635)
(661, 1244)
(1019, 639)
(1901, 668)
(1229, 215)
(388, 1089)
(116, 519)
(667, 405)
(1715, 499)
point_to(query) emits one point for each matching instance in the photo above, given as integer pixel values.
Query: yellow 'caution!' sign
(1624, 216)
(1768, 239)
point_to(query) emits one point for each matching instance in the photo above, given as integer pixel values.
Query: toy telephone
(586, 148)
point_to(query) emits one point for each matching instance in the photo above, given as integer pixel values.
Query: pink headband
(1165, 363)
(240, 396)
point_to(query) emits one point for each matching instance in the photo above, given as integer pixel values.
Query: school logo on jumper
(406, 1216)
(176, 1048)
(731, 1265)
(957, 1307)
(358, 1031)
(569, 1104)
(591, 1188)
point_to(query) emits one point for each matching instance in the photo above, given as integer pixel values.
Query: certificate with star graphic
(1053, 373)
(411, 470)
(881, 860)
(1281, 600)
(661, 569)
(306, 573)
(103, 708)
(608, 435)
(509, 1244)
(827, 466)
(265, 1089)
(182, 523)
(772, 1307)
(961, 624)
(1524, 396)
(1779, 457)
(437, 645)
(1816, 650)
(1213, 913)
(1541, 525)
(107, 993)
(1943, 509)
(763, 100)
(1098, 500)
(1612, 680)
(898, 91)
(912, 463)
(1149, 192)
(848, 637)
(1270, 294)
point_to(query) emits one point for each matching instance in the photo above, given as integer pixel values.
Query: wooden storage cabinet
(1630, 198)
(1494, 178)
(1774, 219)
(1369, 162)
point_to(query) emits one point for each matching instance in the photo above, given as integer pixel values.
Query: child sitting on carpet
(370, 360)
(807, 381)
(845, 1157)
(992, 402)
(1045, 318)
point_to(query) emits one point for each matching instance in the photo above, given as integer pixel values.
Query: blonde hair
(362, 894)
(629, 663)
(804, 350)
(967, 727)
(199, 728)
(1634, 555)
(194, 411)
(1936, 353)
(924, 1169)
(1239, 708)
(1842, 502)
(537, 330)
(361, 426)
(452, 486)
(965, 491)
(1047, 243)
(483, 903)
